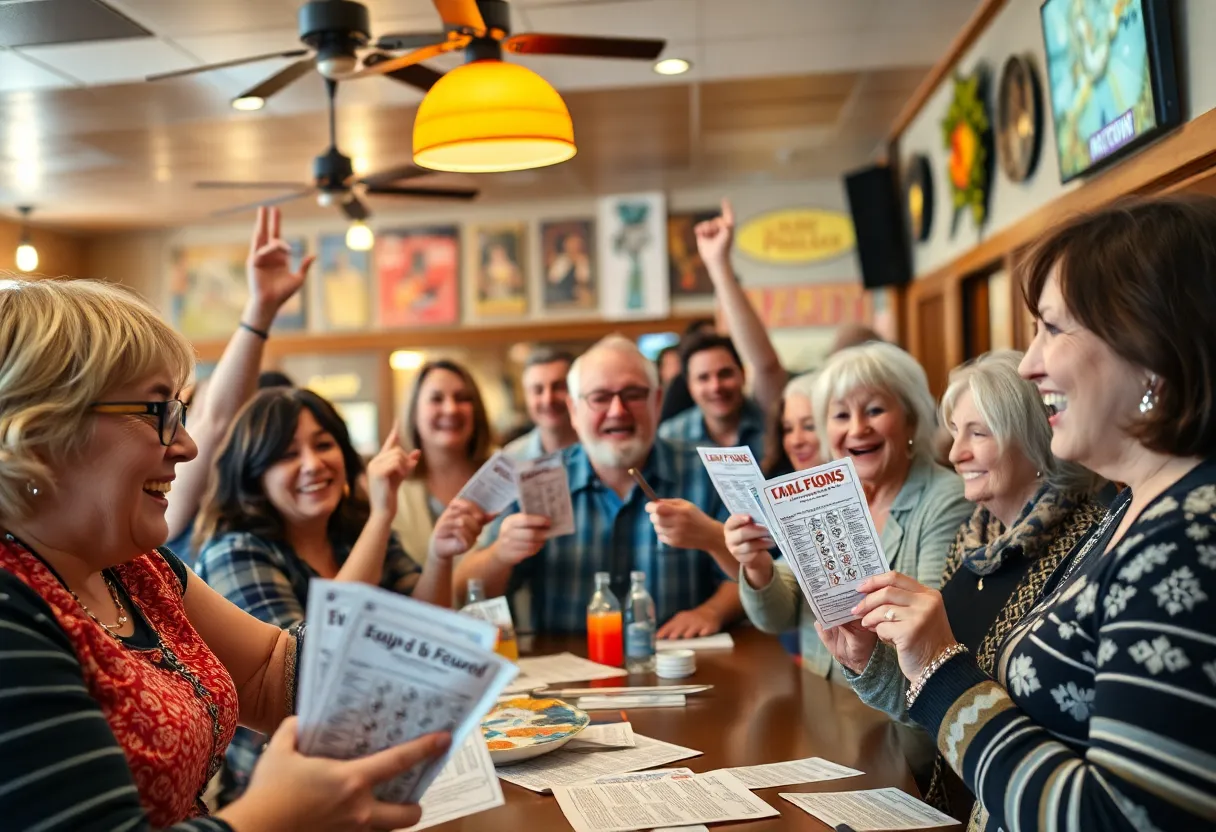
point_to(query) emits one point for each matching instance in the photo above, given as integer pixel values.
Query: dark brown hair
(1141, 275)
(479, 442)
(703, 342)
(259, 438)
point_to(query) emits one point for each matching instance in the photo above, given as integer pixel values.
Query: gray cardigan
(923, 521)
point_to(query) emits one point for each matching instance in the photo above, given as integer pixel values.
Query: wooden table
(763, 709)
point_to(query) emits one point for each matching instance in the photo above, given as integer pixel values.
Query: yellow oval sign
(796, 236)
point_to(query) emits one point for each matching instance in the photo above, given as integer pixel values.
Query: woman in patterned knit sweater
(122, 675)
(1099, 713)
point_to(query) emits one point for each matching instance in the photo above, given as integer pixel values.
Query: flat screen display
(1110, 72)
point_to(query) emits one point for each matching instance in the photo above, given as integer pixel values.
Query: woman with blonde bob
(124, 674)
(872, 403)
(1030, 511)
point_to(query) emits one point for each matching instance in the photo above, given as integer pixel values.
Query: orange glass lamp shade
(489, 116)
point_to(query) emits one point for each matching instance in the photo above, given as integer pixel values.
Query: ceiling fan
(339, 44)
(335, 183)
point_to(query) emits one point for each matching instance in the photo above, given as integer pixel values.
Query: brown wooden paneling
(977, 317)
(929, 315)
(59, 254)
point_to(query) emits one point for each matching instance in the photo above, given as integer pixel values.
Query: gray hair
(880, 366)
(620, 345)
(547, 355)
(1013, 410)
(801, 385)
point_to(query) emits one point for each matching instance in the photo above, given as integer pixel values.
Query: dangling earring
(345, 491)
(1149, 401)
(911, 448)
(1038, 475)
(32, 488)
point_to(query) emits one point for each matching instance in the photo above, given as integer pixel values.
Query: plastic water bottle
(476, 591)
(640, 623)
(604, 624)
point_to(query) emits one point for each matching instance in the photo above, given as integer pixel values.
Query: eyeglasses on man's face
(170, 414)
(631, 397)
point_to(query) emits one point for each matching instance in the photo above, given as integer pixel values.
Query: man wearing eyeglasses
(615, 397)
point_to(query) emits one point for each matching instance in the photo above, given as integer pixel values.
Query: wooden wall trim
(980, 20)
(304, 343)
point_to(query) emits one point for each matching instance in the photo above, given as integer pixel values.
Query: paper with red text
(827, 536)
(738, 480)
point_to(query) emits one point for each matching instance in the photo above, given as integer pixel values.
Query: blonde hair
(1013, 411)
(63, 345)
(879, 366)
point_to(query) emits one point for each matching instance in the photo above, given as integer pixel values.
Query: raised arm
(271, 284)
(714, 240)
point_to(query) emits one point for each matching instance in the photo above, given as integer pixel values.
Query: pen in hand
(642, 484)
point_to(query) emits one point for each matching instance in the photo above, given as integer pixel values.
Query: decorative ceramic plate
(520, 729)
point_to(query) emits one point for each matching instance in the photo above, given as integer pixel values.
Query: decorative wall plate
(520, 729)
(918, 198)
(1019, 121)
(967, 135)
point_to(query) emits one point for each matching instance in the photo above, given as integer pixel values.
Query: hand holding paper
(520, 537)
(457, 529)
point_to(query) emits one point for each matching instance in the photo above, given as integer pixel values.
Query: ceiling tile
(201, 17)
(567, 73)
(218, 48)
(17, 73)
(670, 19)
(63, 21)
(113, 61)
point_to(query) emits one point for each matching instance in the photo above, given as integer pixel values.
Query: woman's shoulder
(1185, 513)
(235, 544)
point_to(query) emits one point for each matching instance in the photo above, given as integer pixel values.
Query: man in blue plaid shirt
(678, 542)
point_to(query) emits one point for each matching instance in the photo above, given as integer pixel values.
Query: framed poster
(499, 269)
(418, 276)
(633, 256)
(687, 275)
(568, 275)
(343, 285)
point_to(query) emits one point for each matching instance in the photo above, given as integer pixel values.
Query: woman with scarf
(1031, 509)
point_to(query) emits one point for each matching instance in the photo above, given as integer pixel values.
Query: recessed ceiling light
(249, 102)
(672, 66)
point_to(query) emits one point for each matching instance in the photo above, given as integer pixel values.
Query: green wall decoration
(967, 135)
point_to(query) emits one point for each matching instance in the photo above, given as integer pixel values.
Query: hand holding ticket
(539, 486)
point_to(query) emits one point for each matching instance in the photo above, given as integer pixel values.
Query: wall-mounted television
(1110, 71)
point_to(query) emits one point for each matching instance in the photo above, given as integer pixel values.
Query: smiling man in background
(545, 396)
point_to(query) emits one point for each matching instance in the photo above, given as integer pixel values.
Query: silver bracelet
(942, 657)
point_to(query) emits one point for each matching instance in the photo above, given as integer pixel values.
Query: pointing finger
(728, 213)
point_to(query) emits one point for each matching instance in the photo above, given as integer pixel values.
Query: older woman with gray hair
(1030, 510)
(871, 403)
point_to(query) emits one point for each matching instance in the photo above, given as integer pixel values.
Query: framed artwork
(343, 285)
(568, 275)
(687, 275)
(208, 290)
(632, 231)
(967, 137)
(499, 269)
(418, 276)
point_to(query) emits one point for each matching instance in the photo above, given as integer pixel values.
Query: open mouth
(158, 488)
(971, 475)
(864, 450)
(1055, 403)
(619, 432)
(315, 487)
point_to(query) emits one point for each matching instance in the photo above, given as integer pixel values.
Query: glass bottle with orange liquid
(506, 646)
(605, 641)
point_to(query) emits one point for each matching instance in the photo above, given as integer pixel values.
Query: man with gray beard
(614, 400)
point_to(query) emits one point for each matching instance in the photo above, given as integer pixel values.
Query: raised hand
(290, 791)
(714, 238)
(268, 269)
(907, 615)
(457, 529)
(385, 473)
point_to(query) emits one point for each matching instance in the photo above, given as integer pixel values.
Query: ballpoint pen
(642, 484)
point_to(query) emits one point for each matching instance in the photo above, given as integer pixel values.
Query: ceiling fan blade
(417, 75)
(279, 80)
(293, 53)
(265, 186)
(390, 175)
(461, 14)
(388, 67)
(249, 206)
(355, 209)
(410, 40)
(437, 193)
(535, 43)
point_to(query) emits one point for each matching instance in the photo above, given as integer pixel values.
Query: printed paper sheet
(871, 809)
(562, 767)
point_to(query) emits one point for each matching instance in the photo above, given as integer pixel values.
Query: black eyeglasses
(170, 414)
(601, 400)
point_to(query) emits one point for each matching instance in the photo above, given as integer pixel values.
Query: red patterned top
(173, 710)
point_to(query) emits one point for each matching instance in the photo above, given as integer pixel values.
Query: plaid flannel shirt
(688, 426)
(615, 536)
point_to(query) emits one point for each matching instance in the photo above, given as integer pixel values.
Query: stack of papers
(819, 519)
(540, 486)
(563, 766)
(649, 799)
(380, 669)
(871, 809)
(718, 641)
(540, 671)
(467, 785)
